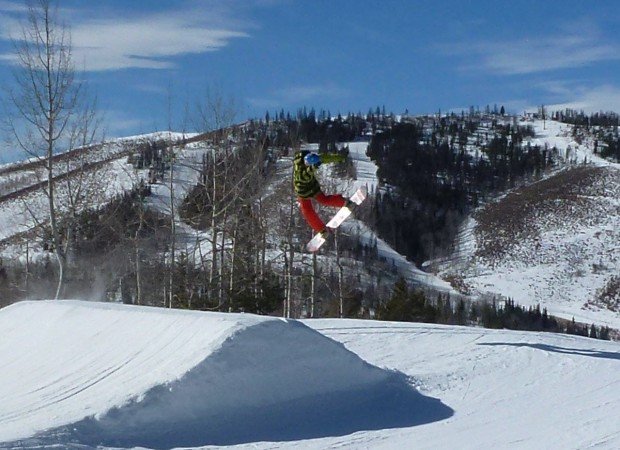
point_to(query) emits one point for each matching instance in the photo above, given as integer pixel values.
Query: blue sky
(339, 55)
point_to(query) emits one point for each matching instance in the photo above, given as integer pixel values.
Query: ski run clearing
(78, 375)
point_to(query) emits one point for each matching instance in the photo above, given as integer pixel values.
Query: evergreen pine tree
(593, 333)
(460, 315)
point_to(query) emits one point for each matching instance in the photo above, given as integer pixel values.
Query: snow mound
(77, 373)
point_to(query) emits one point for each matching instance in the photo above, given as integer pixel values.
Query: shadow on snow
(391, 404)
(556, 349)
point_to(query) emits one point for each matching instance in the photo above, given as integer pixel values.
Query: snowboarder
(307, 186)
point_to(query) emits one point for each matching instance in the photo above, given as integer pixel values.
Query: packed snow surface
(105, 374)
(83, 375)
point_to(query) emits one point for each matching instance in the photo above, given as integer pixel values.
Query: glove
(333, 158)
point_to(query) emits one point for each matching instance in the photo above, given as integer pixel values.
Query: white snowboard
(315, 243)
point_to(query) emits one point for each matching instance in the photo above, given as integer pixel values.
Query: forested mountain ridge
(220, 206)
(553, 240)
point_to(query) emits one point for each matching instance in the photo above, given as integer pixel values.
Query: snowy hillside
(23, 201)
(79, 375)
(554, 242)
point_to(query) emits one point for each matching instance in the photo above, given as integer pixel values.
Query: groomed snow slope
(78, 374)
(508, 389)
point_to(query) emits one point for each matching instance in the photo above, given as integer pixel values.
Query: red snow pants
(307, 209)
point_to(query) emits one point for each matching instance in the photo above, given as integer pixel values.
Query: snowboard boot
(326, 232)
(350, 205)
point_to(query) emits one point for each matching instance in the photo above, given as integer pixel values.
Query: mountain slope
(553, 242)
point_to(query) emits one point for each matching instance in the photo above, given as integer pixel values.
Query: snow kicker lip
(271, 380)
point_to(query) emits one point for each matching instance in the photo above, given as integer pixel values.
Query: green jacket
(304, 177)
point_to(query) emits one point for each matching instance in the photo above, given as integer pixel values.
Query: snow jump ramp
(76, 374)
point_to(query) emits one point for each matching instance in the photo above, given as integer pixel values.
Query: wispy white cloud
(297, 95)
(567, 49)
(531, 56)
(9, 23)
(13, 6)
(562, 94)
(120, 124)
(590, 99)
(148, 41)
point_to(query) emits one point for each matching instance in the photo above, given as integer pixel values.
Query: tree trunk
(48, 100)
(314, 283)
(214, 264)
(172, 229)
(221, 281)
(231, 279)
(58, 251)
(291, 259)
(138, 264)
(340, 278)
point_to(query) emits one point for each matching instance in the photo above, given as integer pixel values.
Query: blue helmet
(312, 159)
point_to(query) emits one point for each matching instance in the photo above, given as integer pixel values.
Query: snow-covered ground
(571, 249)
(545, 268)
(83, 375)
(185, 176)
(23, 214)
(551, 133)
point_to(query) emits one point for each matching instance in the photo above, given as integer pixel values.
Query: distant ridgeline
(433, 171)
(603, 126)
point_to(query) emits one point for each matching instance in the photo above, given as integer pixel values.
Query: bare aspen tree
(138, 253)
(173, 228)
(223, 230)
(313, 285)
(289, 253)
(234, 251)
(260, 250)
(340, 276)
(48, 101)
(136, 239)
(240, 228)
(216, 114)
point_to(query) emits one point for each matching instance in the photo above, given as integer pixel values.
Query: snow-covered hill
(80, 375)
(555, 242)
(105, 374)
(366, 176)
(24, 203)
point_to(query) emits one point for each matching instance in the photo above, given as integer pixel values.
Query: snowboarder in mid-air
(307, 186)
